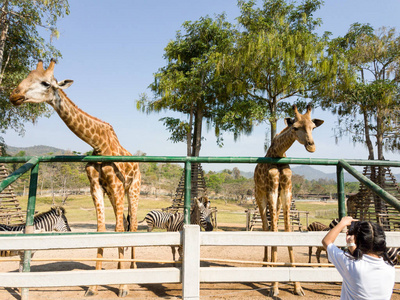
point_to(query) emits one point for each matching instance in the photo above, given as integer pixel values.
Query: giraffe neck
(98, 134)
(281, 143)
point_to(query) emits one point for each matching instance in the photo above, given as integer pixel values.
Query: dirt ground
(256, 290)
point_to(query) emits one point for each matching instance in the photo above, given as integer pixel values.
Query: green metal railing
(32, 164)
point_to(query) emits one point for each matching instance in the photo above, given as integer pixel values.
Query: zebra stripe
(317, 226)
(393, 254)
(176, 221)
(52, 220)
(333, 223)
(156, 219)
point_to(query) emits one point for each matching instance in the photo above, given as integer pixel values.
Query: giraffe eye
(45, 84)
(295, 128)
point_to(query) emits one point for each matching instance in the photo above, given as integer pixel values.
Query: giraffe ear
(318, 122)
(289, 122)
(63, 84)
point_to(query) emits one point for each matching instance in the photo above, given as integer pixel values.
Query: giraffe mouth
(310, 148)
(17, 99)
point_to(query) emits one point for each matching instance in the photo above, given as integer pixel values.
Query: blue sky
(111, 49)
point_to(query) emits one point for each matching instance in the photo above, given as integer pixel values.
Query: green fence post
(340, 191)
(18, 173)
(188, 189)
(29, 223)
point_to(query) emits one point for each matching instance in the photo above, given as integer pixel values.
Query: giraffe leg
(286, 200)
(309, 254)
(273, 205)
(133, 202)
(98, 200)
(118, 195)
(262, 207)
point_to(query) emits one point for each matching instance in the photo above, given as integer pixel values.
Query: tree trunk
(273, 129)
(198, 121)
(379, 134)
(189, 133)
(4, 30)
(273, 119)
(368, 136)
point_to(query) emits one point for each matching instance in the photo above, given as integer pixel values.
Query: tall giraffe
(115, 179)
(273, 182)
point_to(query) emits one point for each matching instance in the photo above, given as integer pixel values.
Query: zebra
(333, 223)
(317, 226)
(200, 215)
(52, 220)
(393, 254)
(156, 219)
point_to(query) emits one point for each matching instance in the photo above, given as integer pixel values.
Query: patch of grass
(81, 209)
(231, 217)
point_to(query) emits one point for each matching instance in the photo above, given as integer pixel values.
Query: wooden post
(191, 262)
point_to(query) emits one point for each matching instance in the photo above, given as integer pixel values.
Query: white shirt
(367, 278)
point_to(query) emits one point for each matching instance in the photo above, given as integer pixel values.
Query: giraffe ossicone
(115, 179)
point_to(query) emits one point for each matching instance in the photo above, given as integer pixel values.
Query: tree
(278, 56)
(190, 83)
(367, 104)
(20, 47)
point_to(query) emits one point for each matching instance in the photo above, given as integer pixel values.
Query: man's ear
(63, 84)
(289, 122)
(318, 122)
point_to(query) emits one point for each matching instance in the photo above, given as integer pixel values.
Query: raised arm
(334, 232)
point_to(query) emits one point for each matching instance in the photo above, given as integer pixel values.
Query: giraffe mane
(284, 130)
(82, 111)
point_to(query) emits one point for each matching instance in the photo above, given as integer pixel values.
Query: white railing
(191, 274)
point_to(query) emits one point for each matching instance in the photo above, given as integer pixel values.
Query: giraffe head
(302, 127)
(39, 86)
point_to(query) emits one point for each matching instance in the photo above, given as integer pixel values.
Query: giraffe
(273, 182)
(114, 179)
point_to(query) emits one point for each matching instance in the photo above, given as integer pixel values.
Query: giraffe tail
(127, 222)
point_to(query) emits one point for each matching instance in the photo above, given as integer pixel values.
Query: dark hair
(370, 238)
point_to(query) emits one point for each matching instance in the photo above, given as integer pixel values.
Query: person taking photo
(367, 271)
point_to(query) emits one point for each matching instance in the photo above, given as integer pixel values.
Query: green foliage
(366, 98)
(21, 46)
(178, 129)
(191, 82)
(320, 187)
(230, 184)
(277, 56)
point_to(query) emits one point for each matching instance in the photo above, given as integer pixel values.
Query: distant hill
(247, 174)
(311, 173)
(36, 150)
